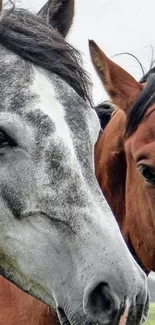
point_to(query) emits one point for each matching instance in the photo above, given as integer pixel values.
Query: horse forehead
(47, 99)
(143, 137)
(57, 100)
(27, 90)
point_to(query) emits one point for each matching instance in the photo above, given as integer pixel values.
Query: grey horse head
(58, 238)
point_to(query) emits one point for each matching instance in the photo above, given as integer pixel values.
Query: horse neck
(110, 165)
(111, 170)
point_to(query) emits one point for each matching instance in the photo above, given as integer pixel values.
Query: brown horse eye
(148, 173)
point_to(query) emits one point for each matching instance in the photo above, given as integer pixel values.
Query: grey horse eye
(5, 140)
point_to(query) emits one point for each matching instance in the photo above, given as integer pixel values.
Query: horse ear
(122, 88)
(59, 14)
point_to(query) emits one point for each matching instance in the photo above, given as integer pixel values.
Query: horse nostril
(102, 305)
(100, 300)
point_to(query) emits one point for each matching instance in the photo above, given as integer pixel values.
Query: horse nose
(102, 304)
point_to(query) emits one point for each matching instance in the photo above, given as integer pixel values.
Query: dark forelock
(30, 37)
(145, 100)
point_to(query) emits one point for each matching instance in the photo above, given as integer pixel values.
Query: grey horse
(58, 238)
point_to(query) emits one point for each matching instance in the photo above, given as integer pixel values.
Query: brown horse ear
(122, 88)
(59, 14)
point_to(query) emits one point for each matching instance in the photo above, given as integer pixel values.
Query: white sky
(117, 26)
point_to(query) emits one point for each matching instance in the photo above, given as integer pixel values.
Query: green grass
(151, 319)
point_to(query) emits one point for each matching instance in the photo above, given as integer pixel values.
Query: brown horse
(17, 307)
(125, 155)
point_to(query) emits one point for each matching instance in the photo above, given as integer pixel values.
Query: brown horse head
(125, 155)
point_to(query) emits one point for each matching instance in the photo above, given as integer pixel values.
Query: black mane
(146, 99)
(33, 39)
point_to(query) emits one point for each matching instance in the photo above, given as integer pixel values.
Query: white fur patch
(49, 105)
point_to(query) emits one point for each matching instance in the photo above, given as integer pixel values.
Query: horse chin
(71, 319)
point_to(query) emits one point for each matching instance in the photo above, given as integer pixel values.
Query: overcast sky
(117, 26)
